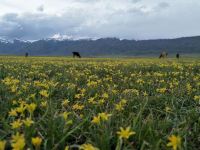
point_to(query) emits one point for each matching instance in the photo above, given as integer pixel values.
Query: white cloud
(139, 19)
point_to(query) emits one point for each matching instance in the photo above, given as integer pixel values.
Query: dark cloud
(36, 26)
(135, 19)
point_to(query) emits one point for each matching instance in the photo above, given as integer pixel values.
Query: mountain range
(101, 47)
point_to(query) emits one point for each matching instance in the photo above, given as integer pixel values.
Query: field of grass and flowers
(89, 104)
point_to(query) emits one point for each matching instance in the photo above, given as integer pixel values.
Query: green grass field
(62, 103)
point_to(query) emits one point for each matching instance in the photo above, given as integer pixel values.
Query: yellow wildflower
(105, 95)
(14, 102)
(44, 93)
(197, 98)
(188, 87)
(31, 107)
(96, 120)
(161, 90)
(21, 109)
(65, 115)
(13, 113)
(78, 107)
(175, 142)
(123, 101)
(66, 147)
(83, 91)
(43, 104)
(2, 145)
(119, 107)
(91, 100)
(104, 116)
(13, 89)
(69, 122)
(145, 93)
(32, 96)
(168, 109)
(18, 142)
(88, 147)
(28, 122)
(16, 124)
(125, 133)
(78, 96)
(36, 142)
(65, 102)
(101, 101)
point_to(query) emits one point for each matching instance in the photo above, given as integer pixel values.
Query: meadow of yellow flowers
(99, 103)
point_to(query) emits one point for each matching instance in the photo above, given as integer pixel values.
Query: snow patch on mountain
(60, 37)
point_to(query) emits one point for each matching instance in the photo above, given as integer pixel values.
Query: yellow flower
(78, 96)
(13, 113)
(125, 133)
(123, 101)
(65, 115)
(188, 87)
(105, 95)
(175, 142)
(18, 142)
(168, 109)
(83, 91)
(13, 89)
(91, 100)
(44, 93)
(88, 147)
(65, 102)
(161, 90)
(36, 142)
(31, 107)
(78, 107)
(101, 116)
(81, 115)
(14, 102)
(28, 122)
(145, 93)
(101, 101)
(104, 116)
(69, 122)
(21, 109)
(96, 120)
(92, 84)
(66, 147)
(32, 96)
(2, 145)
(16, 124)
(44, 104)
(119, 107)
(197, 98)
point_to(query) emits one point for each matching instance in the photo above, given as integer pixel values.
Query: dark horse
(76, 54)
(177, 55)
(26, 54)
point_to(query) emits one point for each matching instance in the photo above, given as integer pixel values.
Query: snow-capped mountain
(65, 45)
(56, 37)
(2, 40)
(60, 37)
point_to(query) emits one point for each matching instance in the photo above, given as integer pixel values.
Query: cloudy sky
(130, 19)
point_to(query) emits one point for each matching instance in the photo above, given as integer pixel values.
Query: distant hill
(101, 47)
